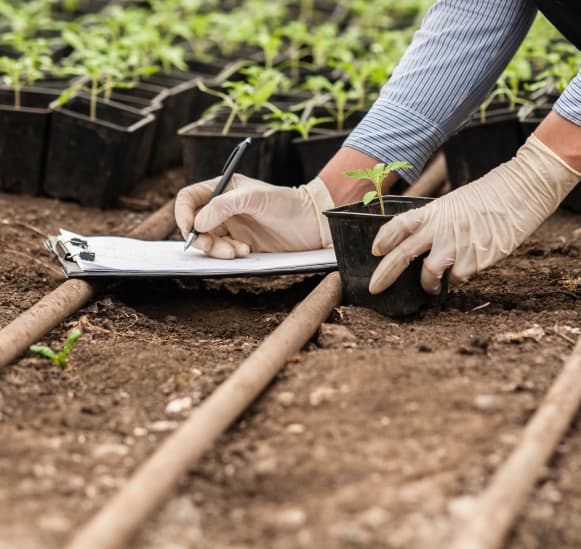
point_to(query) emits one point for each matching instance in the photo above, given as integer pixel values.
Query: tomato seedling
(376, 175)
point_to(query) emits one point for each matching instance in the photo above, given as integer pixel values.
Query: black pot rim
(203, 128)
(347, 210)
(144, 118)
(32, 90)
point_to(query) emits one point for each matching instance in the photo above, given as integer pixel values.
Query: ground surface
(378, 434)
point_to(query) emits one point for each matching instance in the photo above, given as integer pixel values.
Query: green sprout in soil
(58, 358)
(376, 175)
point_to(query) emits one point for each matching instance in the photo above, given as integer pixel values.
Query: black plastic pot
(23, 139)
(178, 107)
(95, 161)
(482, 145)
(353, 228)
(313, 153)
(205, 150)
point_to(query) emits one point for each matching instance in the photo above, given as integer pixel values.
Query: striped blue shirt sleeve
(453, 62)
(569, 104)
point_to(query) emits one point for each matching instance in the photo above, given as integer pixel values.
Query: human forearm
(563, 138)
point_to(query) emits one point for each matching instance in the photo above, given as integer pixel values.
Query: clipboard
(119, 257)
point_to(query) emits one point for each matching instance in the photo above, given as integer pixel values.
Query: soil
(379, 434)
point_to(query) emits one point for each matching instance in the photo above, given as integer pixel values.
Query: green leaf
(71, 340)
(41, 350)
(398, 165)
(377, 173)
(368, 197)
(66, 95)
(361, 174)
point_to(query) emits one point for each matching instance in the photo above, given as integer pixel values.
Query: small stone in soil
(296, 429)
(335, 335)
(286, 398)
(160, 426)
(178, 405)
(288, 520)
(487, 403)
(266, 466)
(321, 395)
(110, 449)
(461, 507)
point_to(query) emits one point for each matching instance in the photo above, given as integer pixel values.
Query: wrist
(344, 189)
(563, 138)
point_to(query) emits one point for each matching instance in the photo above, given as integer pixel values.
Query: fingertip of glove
(376, 250)
(375, 285)
(433, 290)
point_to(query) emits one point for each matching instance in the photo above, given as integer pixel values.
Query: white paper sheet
(118, 255)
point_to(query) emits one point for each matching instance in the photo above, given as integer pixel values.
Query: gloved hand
(254, 216)
(476, 225)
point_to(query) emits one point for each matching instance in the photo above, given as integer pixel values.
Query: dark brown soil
(375, 435)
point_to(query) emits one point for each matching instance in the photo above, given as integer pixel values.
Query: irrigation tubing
(70, 296)
(153, 482)
(500, 504)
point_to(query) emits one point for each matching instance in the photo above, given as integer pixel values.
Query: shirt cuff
(390, 132)
(569, 104)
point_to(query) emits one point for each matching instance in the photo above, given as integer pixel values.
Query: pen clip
(232, 155)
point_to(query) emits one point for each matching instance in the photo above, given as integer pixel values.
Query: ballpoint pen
(229, 168)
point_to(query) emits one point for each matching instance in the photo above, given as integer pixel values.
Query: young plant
(340, 95)
(298, 35)
(25, 19)
(270, 45)
(59, 358)
(510, 86)
(31, 66)
(377, 175)
(290, 121)
(101, 65)
(243, 99)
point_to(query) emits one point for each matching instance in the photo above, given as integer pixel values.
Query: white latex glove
(476, 225)
(254, 216)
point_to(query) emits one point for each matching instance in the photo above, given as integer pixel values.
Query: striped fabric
(451, 65)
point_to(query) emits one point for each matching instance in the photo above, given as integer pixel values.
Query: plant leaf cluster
(377, 175)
